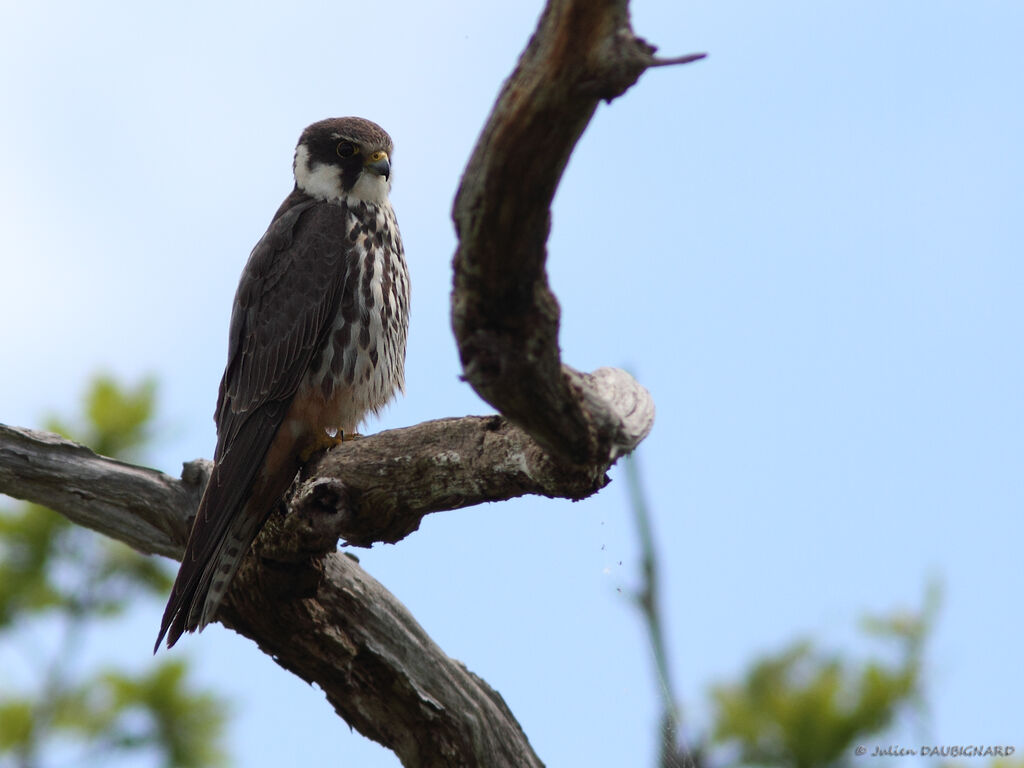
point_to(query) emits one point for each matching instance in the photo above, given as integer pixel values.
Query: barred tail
(237, 501)
(195, 601)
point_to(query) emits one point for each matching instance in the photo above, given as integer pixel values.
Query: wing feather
(284, 307)
(286, 301)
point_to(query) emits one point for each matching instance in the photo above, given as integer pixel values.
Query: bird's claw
(325, 442)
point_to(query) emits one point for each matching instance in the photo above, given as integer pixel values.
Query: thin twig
(659, 62)
(648, 600)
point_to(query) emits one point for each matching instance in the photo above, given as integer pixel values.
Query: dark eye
(347, 149)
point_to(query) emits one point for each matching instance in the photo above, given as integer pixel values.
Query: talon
(323, 443)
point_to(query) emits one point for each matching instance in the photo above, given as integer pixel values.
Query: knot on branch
(615, 65)
(326, 509)
(621, 408)
(196, 473)
(620, 62)
(318, 515)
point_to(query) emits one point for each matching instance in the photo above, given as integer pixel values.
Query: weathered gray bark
(504, 314)
(376, 489)
(311, 608)
(315, 611)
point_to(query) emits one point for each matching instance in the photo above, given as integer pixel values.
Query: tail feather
(218, 514)
(238, 499)
(215, 578)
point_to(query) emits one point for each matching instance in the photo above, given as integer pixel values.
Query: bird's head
(344, 157)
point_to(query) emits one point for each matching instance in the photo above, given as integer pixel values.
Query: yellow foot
(322, 443)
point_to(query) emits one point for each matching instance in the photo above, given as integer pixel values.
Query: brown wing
(286, 300)
(284, 307)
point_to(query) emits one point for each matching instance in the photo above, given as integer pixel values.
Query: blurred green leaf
(28, 540)
(15, 723)
(804, 708)
(54, 571)
(154, 710)
(117, 418)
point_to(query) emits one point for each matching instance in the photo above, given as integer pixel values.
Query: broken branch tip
(659, 62)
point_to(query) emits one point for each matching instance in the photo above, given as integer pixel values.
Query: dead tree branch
(377, 489)
(315, 611)
(312, 609)
(146, 509)
(504, 314)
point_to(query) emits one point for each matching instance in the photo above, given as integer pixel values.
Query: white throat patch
(371, 188)
(324, 181)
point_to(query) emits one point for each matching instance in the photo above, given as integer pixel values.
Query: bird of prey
(317, 342)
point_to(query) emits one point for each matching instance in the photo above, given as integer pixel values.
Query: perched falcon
(317, 342)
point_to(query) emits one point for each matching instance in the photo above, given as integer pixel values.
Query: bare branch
(504, 314)
(311, 609)
(383, 485)
(315, 611)
(329, 622)
(657, 61)
(148, 510)
(376, 489)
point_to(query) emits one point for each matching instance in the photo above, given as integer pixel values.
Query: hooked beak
(378, 163)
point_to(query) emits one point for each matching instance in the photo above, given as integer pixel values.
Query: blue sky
(808, 247)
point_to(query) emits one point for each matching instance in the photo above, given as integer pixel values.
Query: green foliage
(69, 581)
(28, 538)
(117, 421)
(801, 707)
(155, 710)
(15, 724)
(808, 709)
(46, 562)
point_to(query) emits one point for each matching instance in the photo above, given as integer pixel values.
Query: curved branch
(312, 609)
(331, 623)
(315, 611)
(376, 489)
(504, 314)
(380, 487)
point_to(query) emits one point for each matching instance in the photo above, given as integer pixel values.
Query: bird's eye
(347, 149)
